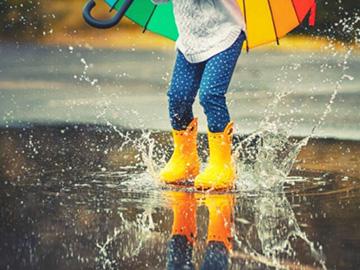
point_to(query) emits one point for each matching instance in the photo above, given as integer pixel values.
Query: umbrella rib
(149, 19)
(247, 41)
(114, 5)
(297, 15)
(273, 21)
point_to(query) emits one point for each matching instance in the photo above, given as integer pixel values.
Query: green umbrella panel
(156, 18)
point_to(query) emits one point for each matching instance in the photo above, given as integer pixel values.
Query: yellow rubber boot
(183, 205)
(220, 172)
(184, 163)
(221, 218)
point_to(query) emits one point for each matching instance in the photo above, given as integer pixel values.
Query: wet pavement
(127, 88)
(87, 197)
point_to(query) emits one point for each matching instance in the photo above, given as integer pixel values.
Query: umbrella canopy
(266, 20)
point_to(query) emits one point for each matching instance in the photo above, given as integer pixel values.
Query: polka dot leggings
(212, 77)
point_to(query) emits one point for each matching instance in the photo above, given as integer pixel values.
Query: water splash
(277, 226)
(138, 232)
(277, 229)
(264, 161)
(269, 153)
(143, 144)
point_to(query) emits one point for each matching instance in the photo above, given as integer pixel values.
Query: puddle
(78, 197)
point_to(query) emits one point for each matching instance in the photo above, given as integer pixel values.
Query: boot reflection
(180, 246)
(219, 236)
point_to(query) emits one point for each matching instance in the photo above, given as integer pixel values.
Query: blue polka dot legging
(212, 77)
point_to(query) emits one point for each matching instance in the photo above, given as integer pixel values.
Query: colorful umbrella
(266, 20)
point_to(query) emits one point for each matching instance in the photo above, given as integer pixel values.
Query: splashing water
(277, 230)
(270, 150)
(138, 232)
(144, 144)
(272, 154)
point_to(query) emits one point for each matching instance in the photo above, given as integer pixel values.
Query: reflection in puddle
(281, 241)
(94, 205)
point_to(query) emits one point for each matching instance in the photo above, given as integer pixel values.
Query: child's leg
(182, 92)
(214, 85)
(184, 162)
(220, 172)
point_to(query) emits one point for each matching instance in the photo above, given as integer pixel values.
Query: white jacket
(206, 27)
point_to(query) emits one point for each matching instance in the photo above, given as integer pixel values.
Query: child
(211, 35)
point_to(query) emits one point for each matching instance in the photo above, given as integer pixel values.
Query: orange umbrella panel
(269, 20)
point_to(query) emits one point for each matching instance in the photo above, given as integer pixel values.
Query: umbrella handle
(103, 24)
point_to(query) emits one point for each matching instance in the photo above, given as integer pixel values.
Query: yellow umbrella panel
(269, 20)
